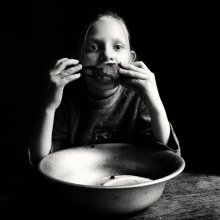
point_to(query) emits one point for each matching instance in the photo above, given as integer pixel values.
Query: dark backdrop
(177, 41)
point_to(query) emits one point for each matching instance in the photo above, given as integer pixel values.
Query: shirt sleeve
(173, 142)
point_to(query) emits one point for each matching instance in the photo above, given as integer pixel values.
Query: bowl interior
(86, 165)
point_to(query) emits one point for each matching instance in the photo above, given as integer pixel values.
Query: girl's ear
(133, 55)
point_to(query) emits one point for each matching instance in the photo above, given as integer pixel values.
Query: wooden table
(187, 196)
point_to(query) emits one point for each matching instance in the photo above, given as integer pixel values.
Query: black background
(177, 41)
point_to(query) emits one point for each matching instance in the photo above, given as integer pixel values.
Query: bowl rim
(153, 182)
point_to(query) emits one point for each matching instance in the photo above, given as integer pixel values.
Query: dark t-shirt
(121, 118)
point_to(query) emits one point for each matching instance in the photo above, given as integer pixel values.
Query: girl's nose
(107, 55)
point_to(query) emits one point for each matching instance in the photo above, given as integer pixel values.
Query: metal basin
(111, 178)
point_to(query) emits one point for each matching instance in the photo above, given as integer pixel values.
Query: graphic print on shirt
(103, 135)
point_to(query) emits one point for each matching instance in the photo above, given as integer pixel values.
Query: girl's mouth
(104, 78)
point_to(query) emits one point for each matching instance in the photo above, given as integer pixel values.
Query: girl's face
(107, 42)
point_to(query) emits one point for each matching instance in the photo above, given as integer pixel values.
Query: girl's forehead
(110, 26)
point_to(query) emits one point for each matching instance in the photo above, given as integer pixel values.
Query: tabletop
(186, 196)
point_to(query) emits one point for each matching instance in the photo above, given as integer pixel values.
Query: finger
(132, 74)
(62, 65)
(60, 60)
(71, 70)
(133, 67)
(140, 64)
(71, 78)
(130, 66)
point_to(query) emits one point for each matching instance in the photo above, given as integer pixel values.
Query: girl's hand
(61, 75)
(143, 81)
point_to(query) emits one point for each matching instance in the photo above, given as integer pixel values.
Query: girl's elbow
(36, 157)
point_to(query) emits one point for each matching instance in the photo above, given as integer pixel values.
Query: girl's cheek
(90, 59)
(126, 58)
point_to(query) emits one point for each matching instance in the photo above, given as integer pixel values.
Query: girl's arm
(140, 78)
(41, 140)
(159, 121)
(42, 135)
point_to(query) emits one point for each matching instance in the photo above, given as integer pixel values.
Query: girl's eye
(92, 47)
(118, 47)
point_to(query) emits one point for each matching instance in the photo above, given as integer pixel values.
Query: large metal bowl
(111, 178)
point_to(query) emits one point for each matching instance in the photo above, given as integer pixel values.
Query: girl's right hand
(61, 75)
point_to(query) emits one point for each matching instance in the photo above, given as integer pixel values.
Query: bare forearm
(42, 135)
(159, 121)
(160, 126)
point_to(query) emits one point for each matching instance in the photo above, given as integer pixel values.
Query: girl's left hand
(138, 76)
(142, 80)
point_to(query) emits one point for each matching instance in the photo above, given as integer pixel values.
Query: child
(100, 110)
